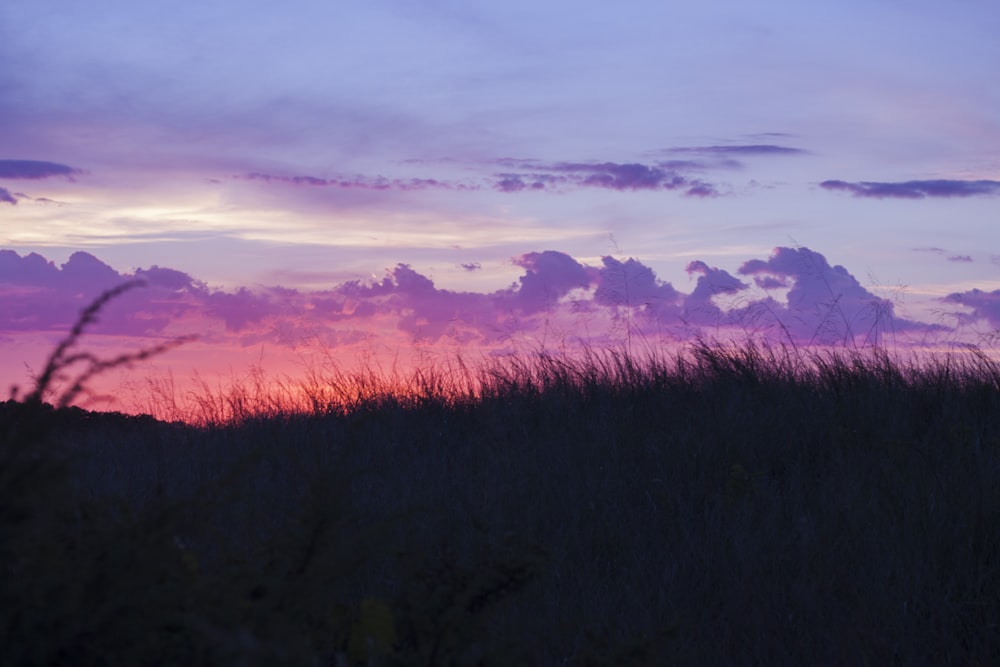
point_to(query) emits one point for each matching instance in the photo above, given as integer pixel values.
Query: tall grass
(723, 504)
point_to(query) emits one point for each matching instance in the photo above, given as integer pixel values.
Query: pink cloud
(824, 304)
(556, 301)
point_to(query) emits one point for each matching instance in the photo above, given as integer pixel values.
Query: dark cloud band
(915, 189)
(529, 175)
(751, 149)
(34, 169)
(629, 176)
(360, 182)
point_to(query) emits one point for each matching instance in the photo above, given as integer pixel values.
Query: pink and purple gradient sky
(363, 177)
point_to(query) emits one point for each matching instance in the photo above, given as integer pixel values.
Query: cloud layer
(523, 175)
(528, 175)
(794, 296)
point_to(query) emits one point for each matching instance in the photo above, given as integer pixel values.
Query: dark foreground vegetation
(724, 506)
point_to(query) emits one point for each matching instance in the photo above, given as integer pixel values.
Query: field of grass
(750, 505)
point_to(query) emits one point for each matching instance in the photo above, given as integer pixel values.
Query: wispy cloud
(740, 150)
(528, 175)
(627, 176)
(952, 257)
(513, 182)
(915, 189)
(360, 182)
(6, 197)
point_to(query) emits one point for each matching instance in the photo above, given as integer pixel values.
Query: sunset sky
(452, 175)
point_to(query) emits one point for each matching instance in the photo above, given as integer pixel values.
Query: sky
(357, 179)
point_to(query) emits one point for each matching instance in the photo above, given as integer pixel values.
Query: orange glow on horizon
(207, 384)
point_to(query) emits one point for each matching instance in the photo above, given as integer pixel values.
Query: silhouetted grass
(722, 505)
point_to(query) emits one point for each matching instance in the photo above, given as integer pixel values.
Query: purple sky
(462, 171)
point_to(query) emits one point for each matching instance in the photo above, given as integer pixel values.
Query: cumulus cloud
(770, 282)
(630, 283)
(35, 294)
(711, 282)
(548, 277)
(633, 294)
(421, 310)
(915, 189)
(169, 279)
(824, 304)
(34, 169)
(83, 272)
(699, 306)
(984, 305)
